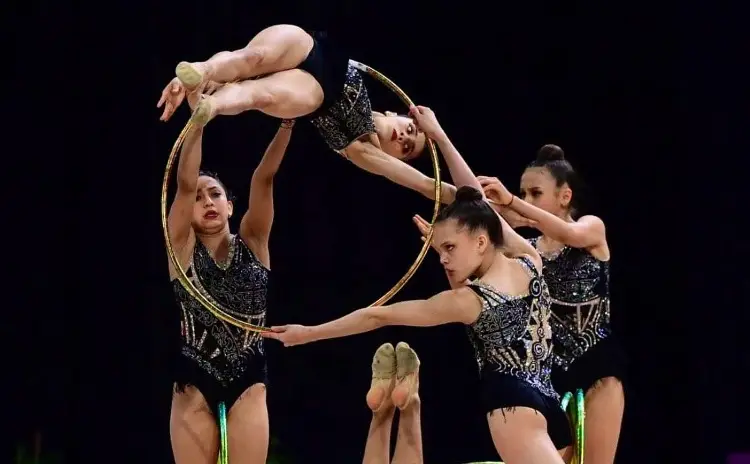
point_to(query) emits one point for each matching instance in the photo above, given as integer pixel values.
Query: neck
(215, 240)
(377, 118)
(487, 263)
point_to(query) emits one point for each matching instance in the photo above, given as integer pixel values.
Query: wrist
(506, 205)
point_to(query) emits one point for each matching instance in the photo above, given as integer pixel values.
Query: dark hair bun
(468, 194)
(549, 153)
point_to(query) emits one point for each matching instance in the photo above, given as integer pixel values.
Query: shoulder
(533, 263)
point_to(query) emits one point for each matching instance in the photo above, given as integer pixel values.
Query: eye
(449, 247)
(215, 194)
(410, 129)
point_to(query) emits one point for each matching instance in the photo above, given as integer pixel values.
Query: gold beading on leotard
(213, 307)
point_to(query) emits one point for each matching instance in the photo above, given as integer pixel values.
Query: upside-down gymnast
(395, 385)
(285, 72)
(576, 257)
(220, 362)
(506, 310)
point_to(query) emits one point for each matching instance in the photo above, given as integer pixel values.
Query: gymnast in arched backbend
(220, 363)
(506, 310)
(285, 72)
(575, 254)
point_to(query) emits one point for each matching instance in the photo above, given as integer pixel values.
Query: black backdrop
(641, 100)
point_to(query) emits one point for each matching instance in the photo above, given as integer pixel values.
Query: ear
(230, 208)
(390, 113)
(566, 196)
(482, 243)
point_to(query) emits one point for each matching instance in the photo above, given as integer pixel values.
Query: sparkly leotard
(512, 341)
(579, 286)
(512, 334)
(350, 115)
(220, 359)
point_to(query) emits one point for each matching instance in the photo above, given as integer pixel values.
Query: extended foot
(191, 75)
(383, 376)
(407, 376)
(204, 111)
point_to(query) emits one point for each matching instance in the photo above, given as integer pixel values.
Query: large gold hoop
(212, 306)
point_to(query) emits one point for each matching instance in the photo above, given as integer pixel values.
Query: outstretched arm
(372, 159)
(255, 227)
(460, 305)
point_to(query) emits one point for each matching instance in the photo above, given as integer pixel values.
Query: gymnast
(286, 72)
(575, 255)
(506, 310)
(220, 363)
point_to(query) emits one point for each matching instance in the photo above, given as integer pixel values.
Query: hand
(171, 98)
(195, 96)
(287, 123)
(495, 191)
(426, 121)
(423, 226)
(290, 335)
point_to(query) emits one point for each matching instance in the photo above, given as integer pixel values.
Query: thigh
(294, 93)
(520, 436)
(192, 429)
(247, 427)
(281, 47)
(605, 403)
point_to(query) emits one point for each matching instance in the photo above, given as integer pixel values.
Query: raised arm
(460, 305)
(587, 232)
(179, 221)
(462, 175)
(372, 159)
(256, 224)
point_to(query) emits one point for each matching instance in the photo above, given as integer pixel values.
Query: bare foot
(383, 376)
(407, 376)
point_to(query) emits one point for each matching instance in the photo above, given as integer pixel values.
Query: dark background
(643, 100)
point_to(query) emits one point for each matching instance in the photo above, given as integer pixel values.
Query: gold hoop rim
(213, 307)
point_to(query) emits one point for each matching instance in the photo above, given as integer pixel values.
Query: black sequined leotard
(512, 341)
(220, 359)
(579, 286)
(350, 115)
(512, 334)
(346, 112)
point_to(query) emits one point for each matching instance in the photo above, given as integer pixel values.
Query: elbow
(263, 176)
(376, 317)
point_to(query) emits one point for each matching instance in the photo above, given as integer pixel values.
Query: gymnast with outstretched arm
(505, 307)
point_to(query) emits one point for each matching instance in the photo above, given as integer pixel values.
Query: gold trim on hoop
(222, 314)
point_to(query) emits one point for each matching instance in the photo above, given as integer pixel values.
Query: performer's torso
(349, 117)
(239, 287)
(512, 334)
(579, 287)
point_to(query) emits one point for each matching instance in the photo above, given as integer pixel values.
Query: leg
(520, 436)
(192, 429)
(377, 448)
(605, 403)
(286, 95)
(276, 48)
(247, 427)
(409, 441)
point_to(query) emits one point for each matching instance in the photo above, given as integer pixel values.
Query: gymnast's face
(539, 188)
(399, 137)
(461, 251)
(212, 209)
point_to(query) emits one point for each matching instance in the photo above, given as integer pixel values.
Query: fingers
(484, 180)
(161, 100)
(279, 328)
(267, 334)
